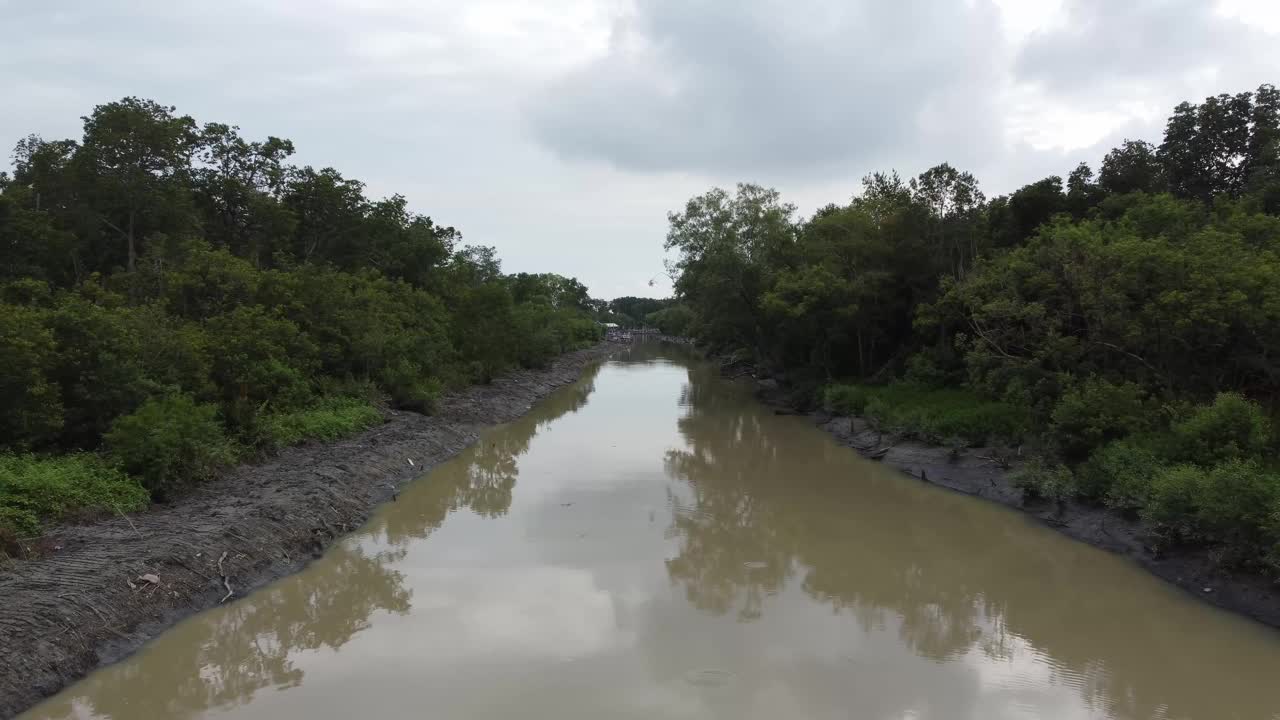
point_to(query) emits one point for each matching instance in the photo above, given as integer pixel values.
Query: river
(652, 543)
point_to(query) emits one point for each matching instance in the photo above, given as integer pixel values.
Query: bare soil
(986, 473)
(106, 588)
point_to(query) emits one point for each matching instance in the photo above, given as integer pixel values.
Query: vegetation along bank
(175, 298)
(1118, 331)
(179, 308)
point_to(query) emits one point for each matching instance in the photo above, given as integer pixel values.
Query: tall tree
(1135, 167)
(954, 202)
(238, 185)
(135, 157)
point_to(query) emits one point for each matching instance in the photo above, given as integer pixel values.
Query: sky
(563, 131)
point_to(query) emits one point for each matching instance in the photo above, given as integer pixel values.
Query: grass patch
(330, 419)
(35, 490)
(935, 415)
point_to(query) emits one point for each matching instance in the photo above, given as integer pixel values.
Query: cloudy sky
(562, 131)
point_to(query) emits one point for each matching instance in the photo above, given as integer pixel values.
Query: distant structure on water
(615, 333)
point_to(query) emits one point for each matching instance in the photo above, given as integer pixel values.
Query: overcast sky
(562, 131)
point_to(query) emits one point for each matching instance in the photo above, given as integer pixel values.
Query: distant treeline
(1125, 323)
(174, 296)
(668, 315)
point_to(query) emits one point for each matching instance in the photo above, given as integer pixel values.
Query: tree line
(175, 296)
(1124, 323)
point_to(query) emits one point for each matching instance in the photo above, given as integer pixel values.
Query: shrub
(330, 419)
(844, 399)
(1232, 427)
(1044, 480)
(1172, 504)
(37, 489)
(170, 442)
(1236, 503)
(933, 414)
(1097, 412)
(1273, 532)
(1121, 474)
(925, 370)
(533, 334)
(674, 320)
(260, 360)
(409, 387)
(98, 365)
(33, 410)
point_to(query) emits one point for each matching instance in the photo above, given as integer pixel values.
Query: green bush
(932, 414)
(33, 407)
(1273, 531)
(1040, 479)
(1236, 502)
(260, 360)
(170, 442)
(1121, 474)
(1232, 427)
(330, 419)
(98, 366)
(41, 489)
(844, 399)
(1173, 502)
(1096, 412)
(674, 320)
(924, 369)
(410, 387)
(534, 334)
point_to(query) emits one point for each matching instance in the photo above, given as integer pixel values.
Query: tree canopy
(175, 295)
(1112, 306)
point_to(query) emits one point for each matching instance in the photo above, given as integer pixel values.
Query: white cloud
(563, 131)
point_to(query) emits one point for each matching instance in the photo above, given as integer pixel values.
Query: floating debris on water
(709, 677)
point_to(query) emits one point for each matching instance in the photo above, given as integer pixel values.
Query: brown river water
(653, 543)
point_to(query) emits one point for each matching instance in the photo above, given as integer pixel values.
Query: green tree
(133, 161)
(33, 414)
(1135, 167)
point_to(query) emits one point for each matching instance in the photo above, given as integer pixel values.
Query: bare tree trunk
(133, 252)
(862, 365)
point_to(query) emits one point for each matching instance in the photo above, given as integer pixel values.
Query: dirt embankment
(108, 587)
(985, 473)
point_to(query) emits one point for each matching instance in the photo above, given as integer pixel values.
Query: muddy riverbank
(986, 473)
(108, 587)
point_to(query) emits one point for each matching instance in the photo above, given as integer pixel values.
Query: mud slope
(86, 603)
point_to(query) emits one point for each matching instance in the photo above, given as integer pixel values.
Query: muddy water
(651, 543)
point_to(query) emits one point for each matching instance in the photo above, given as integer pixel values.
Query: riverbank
(986, 473)
(107, 588)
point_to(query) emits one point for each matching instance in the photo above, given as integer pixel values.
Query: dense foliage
(1131, 317)
(175, 295)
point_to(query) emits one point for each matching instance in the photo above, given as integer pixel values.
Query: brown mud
(106, 588)
(986, 473)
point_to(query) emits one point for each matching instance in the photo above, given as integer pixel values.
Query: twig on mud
(105, 623)
(225, 581)
(126, 519)
(996, 459)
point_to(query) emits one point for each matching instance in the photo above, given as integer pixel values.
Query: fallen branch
(225, 581)
(126, 519)
(997, 460)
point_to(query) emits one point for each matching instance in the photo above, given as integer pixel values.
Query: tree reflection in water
(482, 477)
(766, 498)
(224, 657)
(221, 659)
